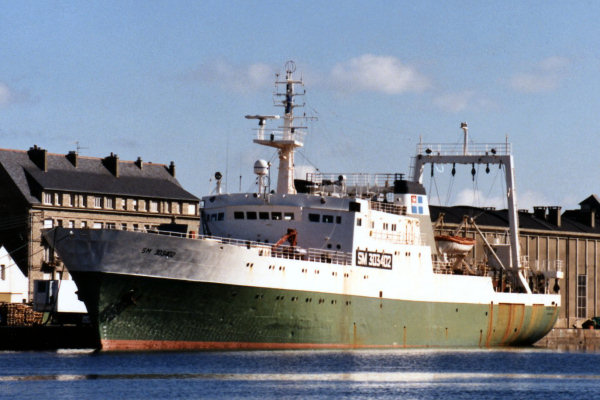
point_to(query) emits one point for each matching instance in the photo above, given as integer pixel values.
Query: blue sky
(172, 80)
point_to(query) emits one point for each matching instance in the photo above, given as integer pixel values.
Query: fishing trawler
(334, 260)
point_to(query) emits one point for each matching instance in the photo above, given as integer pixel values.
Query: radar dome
(261, 168)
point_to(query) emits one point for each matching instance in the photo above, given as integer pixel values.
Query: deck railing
(266, 250)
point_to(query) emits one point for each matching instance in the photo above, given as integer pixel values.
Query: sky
(172, 81)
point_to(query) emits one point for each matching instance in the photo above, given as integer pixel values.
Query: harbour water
(387, 374)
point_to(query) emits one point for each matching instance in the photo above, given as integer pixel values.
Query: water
(391, 374)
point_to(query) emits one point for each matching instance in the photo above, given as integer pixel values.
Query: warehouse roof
(542, 218)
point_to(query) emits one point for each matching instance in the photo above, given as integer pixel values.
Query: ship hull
(141, 313)
(154, 292)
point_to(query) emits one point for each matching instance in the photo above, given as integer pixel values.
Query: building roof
(90, 175)
(578, 221)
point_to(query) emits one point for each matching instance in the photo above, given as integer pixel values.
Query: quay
(571, 339)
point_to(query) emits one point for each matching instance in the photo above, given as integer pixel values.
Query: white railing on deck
(267, 250)
(387, 207)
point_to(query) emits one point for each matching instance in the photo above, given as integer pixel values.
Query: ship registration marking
(159, 252)
(373, 259)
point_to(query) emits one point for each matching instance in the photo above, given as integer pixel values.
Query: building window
(97, 225)
(110, 203)
(581, 296)
(83, 224)
(123, 226)
(48, 223)
(136, 227)
(47, 254)
(48, 198)
(57, 199)
(3, 272)
(134, 204)
(142, 205)
(71, 224)
(153, 206)
(111, 225)
(59, 222)
(97, 202)
(176, 208)
(69, 200)
(358, 222)
(191, 209)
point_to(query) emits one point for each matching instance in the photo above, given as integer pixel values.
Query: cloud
(544, 77)
(384, 74)
(476, 198)
(10, 95)
(6, 95)
(454, 102)
(242, 79)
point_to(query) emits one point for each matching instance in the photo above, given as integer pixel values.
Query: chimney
(139, 162)
(39, 157)
(171, 169)
(72, 157)
(554, 215)
(540, 212)
(112, 164)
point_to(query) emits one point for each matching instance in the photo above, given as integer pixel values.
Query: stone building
(41, 190)
(550, 241)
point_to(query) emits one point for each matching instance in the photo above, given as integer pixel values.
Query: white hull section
(210, 260)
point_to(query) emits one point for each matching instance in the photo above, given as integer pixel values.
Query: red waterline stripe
(142, 345)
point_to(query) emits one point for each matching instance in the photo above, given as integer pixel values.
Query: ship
(323, 261)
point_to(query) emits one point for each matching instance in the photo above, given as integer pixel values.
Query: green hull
(139, 313)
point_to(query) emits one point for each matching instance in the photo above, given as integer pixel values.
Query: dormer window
(153, 206)
(97, 202)
(47, 198)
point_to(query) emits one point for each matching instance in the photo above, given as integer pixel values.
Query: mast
(497, 153)
(289, 137)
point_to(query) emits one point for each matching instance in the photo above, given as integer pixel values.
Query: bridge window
(238, 215)
(276, 216)
(338, 219)
(328, 219)
(251, 215)
(288, 216)
(314, 217)
(263, 215)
